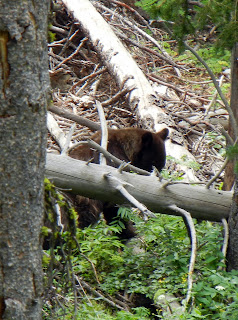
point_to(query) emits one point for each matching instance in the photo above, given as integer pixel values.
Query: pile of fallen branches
(78, 77)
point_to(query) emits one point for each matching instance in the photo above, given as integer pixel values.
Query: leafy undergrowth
(98, 277)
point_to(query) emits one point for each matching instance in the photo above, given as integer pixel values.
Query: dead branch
(117, 96)
(176, 88)
(78, 119)
(119, 185)
(55, 131)
(72, 54)
(104, 131)
(96, 293)
(129, 167)
(164, 56)
(190, 223)
(90, 76)
(67, 144)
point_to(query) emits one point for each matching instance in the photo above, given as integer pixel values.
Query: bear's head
(151, 150)
(144, 149)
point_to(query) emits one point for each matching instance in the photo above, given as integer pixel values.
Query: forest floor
(183, 86)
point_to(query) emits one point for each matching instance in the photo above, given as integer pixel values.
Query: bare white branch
(104, 131)
(55, 131)
(189, 220)
(119, 185)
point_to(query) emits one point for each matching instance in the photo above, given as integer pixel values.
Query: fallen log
(90, 180)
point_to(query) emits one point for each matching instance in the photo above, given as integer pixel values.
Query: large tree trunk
(232, 257)
(24, 88)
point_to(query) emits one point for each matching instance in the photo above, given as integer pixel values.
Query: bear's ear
(147, 139)
(163, 133)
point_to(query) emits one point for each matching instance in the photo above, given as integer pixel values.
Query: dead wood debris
(78, 77)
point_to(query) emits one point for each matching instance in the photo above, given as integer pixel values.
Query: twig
(193, 122)
(123, 166)
(220, 171)
(213, 179)
(189, 220)
(72, 54)
(69, 39)
(58, 30)
(155, 78)
(94, 87)
(117, 96)
(57, 57)
(165, 55)
(135, 12)
(104, 132)
(75, 145)
(56, 43)
(117, 161)
(96, 293)
(58, 216)
(90, 76)
(155, 53)
(82, 288)
(119, 185)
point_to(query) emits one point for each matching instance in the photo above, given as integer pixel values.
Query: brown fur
(142, 148)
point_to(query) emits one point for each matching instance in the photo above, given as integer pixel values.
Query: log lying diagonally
(89, 180)
(117, 59)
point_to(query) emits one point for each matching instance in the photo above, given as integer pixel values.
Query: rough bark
(24, 86)
(232, 255)
(89, 181)
(229, 171)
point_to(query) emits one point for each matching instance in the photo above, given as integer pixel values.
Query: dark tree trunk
(232, 256)
(229, 171)
(24, 86)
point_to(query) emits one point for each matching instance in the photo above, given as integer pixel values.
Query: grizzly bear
(142, 148)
